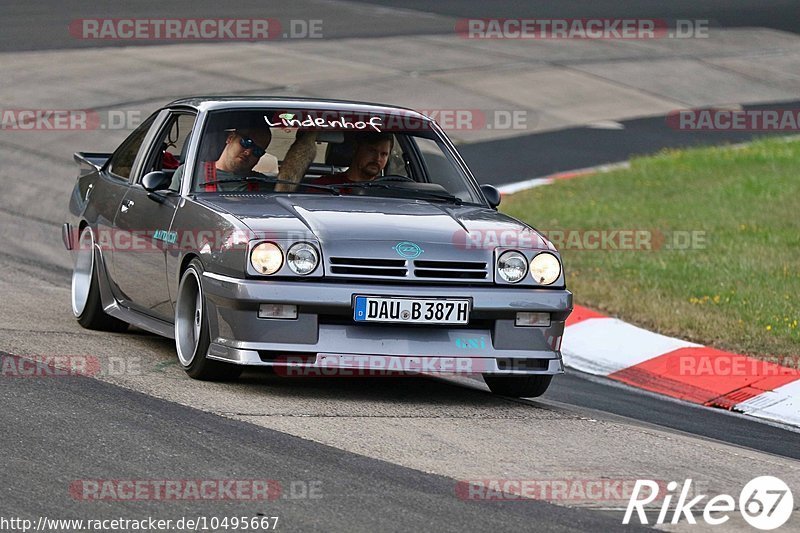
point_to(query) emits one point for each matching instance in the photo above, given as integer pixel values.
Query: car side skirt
(112, 307)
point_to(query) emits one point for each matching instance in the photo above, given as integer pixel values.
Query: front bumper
(325, 335)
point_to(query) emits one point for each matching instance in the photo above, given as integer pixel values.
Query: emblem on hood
(408, 250)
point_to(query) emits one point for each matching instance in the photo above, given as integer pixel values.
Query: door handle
(126, 204)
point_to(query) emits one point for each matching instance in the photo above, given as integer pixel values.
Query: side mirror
(492, 194)
(156, 181)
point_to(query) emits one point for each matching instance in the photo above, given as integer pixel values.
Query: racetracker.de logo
(599, 239)
(481, 119)
(175, 489)
(157, 240)
(69, 119)
(734, 120)
(724, 364)
(49, 119)
(354, 365)
(572, 490)
(194, 29)
(47, 366)
(57, 366)
(579, 28)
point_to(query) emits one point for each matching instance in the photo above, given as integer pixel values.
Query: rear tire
(86, 304)
(191, 330)
(518, 386)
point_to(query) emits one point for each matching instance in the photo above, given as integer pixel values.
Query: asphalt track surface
(576, 148)
(361, 439)
(781, 14)
(42, 25)
(321, 488)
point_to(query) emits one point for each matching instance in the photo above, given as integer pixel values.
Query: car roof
(215, 103)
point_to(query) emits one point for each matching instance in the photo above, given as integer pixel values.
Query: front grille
(422, 270)
(450, 269)
(359, 266)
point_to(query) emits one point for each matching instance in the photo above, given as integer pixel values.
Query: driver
(370, 156)
(243, 148)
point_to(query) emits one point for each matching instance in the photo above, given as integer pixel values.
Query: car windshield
(337, 153)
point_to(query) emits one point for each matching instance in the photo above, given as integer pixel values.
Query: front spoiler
(360, 364)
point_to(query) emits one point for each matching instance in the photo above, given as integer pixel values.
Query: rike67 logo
(765, 502)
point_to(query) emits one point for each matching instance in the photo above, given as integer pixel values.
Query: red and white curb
(511, 188)
(604, 346)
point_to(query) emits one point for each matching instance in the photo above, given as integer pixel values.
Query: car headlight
(266, 258)
(512, 266)
(545, 268)
(302, 258)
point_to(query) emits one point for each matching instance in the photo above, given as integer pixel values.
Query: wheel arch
(185, 263)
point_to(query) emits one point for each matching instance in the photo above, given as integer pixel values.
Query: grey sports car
(312, 234)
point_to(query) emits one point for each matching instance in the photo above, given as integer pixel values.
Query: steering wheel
(394, 177)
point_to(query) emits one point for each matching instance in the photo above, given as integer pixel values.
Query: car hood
(358, 218)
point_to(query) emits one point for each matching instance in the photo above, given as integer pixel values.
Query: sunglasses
(249, 144)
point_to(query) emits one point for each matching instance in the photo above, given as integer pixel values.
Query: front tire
(85, 290)
(518, 386)
(191, 330)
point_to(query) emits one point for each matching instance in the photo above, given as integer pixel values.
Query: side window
(172, 145)
(122, 160)
(441, 169)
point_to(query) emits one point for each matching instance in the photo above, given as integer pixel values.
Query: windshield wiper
(445, 196)
(265, 179)
(424, 195)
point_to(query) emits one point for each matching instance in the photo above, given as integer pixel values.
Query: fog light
(277, 311)
(533, 319)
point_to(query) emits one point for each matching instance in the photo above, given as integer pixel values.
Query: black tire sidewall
(197, 366)
(93, 316)
(202, 367)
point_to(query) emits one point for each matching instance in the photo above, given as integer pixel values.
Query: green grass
(739, 291)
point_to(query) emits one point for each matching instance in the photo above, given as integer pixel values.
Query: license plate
(411, 310)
